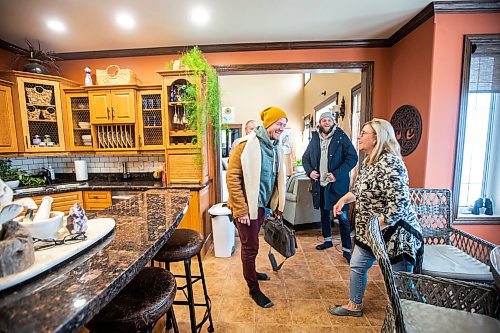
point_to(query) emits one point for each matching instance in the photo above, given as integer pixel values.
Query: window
(476, 186)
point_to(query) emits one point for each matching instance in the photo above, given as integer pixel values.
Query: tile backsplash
(95, 164)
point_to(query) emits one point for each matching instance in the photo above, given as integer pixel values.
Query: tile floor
(302, 292)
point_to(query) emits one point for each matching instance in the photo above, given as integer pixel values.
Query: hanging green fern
(205, 110)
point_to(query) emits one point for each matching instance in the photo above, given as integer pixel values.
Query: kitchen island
(67, 297)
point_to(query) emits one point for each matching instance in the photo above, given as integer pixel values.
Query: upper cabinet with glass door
(38, 110)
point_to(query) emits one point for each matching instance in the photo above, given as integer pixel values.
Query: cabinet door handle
(26, 140)
(140, 144)
(107, 109)
(112, 112)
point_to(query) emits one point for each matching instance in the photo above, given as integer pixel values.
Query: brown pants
(249, 237)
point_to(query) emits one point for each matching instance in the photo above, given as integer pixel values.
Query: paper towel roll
(81, 170)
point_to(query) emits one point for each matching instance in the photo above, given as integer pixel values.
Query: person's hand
(278, 214)
(330, 177)
(381, 223)
(245, 219)
(337, 209)
(314, 175)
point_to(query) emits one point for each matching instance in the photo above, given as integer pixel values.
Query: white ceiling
(160, 23)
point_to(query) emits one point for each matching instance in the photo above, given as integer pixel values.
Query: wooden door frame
(367, 73)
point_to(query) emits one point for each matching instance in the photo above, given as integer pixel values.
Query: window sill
(476, 220)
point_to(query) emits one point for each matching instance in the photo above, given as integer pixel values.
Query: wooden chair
(420, 303)
(448, 252)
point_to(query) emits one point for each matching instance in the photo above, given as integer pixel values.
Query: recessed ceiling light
(199, 15)
(56, 25)
(124, 20)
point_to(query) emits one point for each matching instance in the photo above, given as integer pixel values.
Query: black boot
(261, 299)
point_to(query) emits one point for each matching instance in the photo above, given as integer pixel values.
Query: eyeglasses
(363, 133)
(45, 244)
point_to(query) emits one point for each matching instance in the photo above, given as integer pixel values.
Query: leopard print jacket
(381, 190)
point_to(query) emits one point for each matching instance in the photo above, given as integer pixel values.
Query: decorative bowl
(84, 124)
(12, 183)
(46, 229)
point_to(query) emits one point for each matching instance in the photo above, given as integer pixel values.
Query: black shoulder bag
(281, 238)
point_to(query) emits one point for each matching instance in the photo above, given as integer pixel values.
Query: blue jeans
(326, 226)
(361, 261)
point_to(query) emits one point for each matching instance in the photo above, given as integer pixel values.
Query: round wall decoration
(407, 124)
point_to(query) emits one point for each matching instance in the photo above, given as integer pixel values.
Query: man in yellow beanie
(256, 178)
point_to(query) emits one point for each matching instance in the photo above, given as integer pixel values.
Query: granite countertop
(67, 297)
(103, 185)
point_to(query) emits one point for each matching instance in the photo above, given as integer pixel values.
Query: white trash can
(223, 230)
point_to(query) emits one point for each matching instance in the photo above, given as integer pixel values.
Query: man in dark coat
(328, 159)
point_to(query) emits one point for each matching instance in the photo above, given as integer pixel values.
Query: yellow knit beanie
(271, 115)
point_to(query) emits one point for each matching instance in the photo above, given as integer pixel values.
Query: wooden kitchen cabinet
(8, 137)
(62, 201)
(96, 200)
(78, 128)
(151, 119)
(38, 110)
(108, 106)
(187, 152)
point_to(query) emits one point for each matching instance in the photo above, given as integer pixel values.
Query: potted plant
(8, 174)
(206, 111)
(36, 60)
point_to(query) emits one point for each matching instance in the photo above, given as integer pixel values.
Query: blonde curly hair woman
(381, 190)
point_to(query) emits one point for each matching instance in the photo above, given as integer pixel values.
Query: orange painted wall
(6, 59)
(445, 91)
(445, 100)
(491, 233)
(146, 67)
(411, 67)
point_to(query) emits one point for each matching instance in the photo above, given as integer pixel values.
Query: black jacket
(342, 158)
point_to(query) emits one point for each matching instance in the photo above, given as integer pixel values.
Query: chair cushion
(183, 244)
(291, 197)
(449, 262)
(140, 304)
(420, 317)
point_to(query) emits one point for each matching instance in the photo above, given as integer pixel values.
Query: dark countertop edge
(49, 191)
(85, 314)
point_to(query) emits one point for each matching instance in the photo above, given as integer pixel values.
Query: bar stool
(182, 246)
(139, 305)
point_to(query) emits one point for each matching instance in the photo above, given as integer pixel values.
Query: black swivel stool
(147, 298)
(182, 246)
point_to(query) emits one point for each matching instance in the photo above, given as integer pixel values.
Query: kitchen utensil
(43, 212)
(46, 228)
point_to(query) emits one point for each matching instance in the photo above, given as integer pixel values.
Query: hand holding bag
(281, 238)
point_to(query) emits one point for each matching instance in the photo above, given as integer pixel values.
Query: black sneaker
(324, 246)
(263, 277)
(261, 299)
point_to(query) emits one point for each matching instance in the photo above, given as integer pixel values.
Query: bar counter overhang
(67, 297)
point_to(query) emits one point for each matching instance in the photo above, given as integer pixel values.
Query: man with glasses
(256, 178)
(328, 159)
